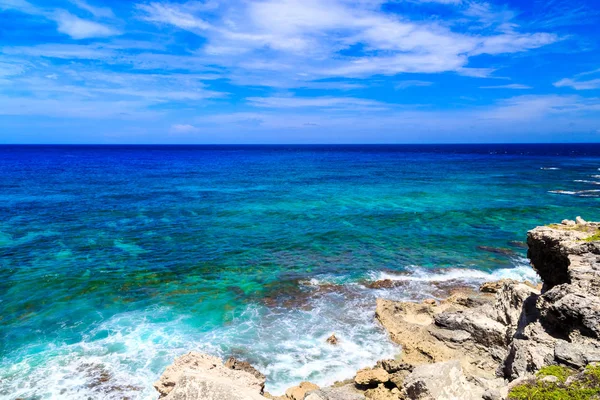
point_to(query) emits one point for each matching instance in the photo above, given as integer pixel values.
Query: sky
(299, 71)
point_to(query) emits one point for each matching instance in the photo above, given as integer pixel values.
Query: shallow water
(114, 260)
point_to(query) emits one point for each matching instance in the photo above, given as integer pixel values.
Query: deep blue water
(115, 259)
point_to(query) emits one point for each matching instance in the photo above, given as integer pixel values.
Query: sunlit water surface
(115, 260)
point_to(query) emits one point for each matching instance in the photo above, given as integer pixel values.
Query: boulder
(440, 381)
(298, 392)
(392, 366)
(371, 376)
(198, 386)
(197, 376)
(332, 340)
(482, 328)
(577, 354)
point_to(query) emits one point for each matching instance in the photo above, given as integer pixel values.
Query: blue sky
(299, 71)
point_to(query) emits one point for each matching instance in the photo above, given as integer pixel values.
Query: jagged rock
(568, 308)
(298, 392)
(397, 378)
(440, 381)
(577, 354)
(563, 254)
(198, 386)
(382, 393)
(580, 221)
(371, 376)
(345, 392)
(449, 337)
(532, 349)
(392, 366)
(234, 363)
(197, 376)
(384, 284)
(482, 328)
(568, 222)
(412, 326)
(332, 340)
(515, 306)
(494, 287)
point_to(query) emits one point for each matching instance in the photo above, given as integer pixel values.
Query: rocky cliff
(473, 345)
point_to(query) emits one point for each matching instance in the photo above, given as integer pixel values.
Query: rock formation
(469, 346)
(197, 376)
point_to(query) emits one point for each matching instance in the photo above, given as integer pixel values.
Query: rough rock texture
(345, 392)
(440, 381)
(197, 376)
(473, 345)
(371, 376)
(451, 330)
(234, 363)
(298, 392)
(562, 324)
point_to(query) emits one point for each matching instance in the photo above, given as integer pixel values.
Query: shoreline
(479, 343)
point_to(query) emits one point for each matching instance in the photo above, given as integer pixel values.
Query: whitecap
(550, 168)
(585, 181)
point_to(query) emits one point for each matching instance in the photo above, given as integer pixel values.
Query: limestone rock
(198, 386)
(484, 329)
(397, 378)
(197, 376)
(494, 287)
(233, 363)
(392, 366)
(371, 376)
(332, 340)
(580, 221)
(382, 393)
(440, 381)
(298, 392)
(345, 392)
(578, 353)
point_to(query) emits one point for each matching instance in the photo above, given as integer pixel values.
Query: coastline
(472, 345)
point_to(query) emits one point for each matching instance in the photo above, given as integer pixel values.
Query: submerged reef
(509, 340)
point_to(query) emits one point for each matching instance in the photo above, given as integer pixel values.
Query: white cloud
(177, 15)
(516, 86)
(19, 5)
(10, 69)
(345, 103)
(79, 28)
(578, 84)
(99, 12)
(183, 129)
(312, 35)
(411, 83)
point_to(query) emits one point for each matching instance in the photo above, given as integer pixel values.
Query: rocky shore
(509, 340)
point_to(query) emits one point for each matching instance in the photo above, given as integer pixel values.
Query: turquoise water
(114, 260)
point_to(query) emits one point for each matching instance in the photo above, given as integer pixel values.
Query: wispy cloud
(313, 35)
(99, 12)
(67, 23)
(340, 103)
(578, 83)
(183, 129)
(411, 83)
(515, 86)
(79, 28)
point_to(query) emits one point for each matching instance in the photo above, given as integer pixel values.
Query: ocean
(116, 259)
